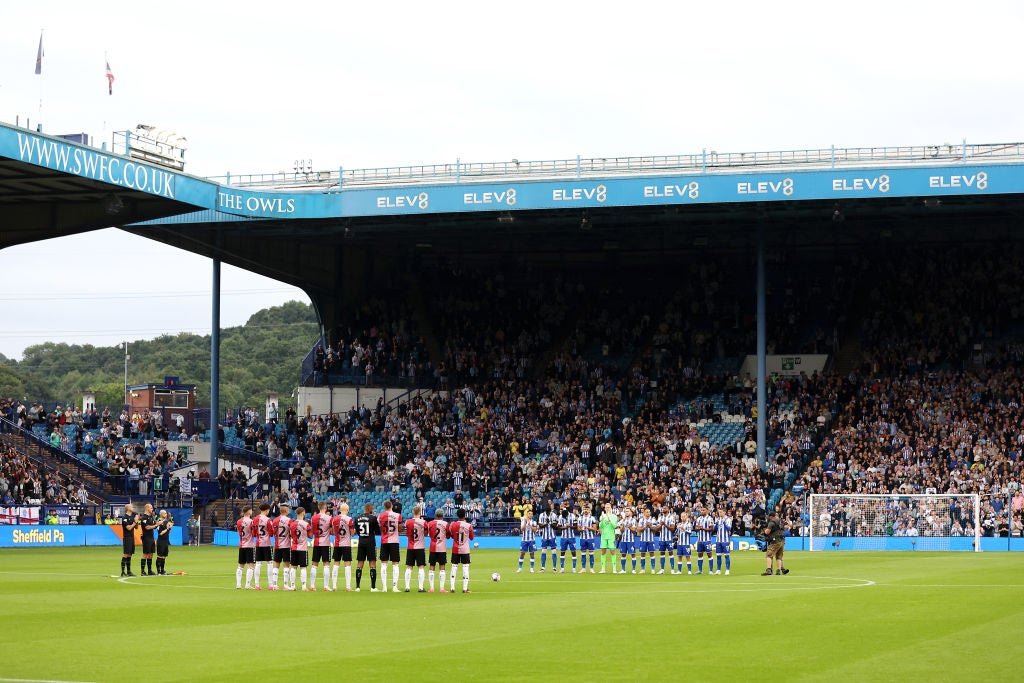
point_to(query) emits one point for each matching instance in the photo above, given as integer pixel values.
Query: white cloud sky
(254, 86)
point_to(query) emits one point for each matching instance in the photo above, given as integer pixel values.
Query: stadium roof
(315, 229)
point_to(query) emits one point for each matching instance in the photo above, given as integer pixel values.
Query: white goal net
(894, 522)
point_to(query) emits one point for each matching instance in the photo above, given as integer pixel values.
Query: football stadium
(732, 414)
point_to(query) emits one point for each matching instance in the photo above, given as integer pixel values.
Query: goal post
(849, 521)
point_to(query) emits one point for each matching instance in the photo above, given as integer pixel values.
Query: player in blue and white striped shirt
(646, 540)
(704, 525)
(587, 525)
(547, 522)
(723, 539)
(684, 533)
(567, 525)
(528, 530)
(627, 538)
(667, 524)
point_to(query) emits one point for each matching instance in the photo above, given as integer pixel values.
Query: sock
(149, 565)
(591, 560)
(672, 562)
(256, 574)
(562, 565)
(689, 565)
(334, 577)
(431, 574)
(408, 577)
(574, 563)
(302, 573)
(531, 563)
(359, 575)
(142, 566)
(718, 562)
(465, 577)
(454, 567)
(662, 562)
(124, 570)
(248, 576)
(238, 578)
(543, 559)
(604, 561)
(634, 562)
(728, 562)
(373, 577)
(312, 576)
(348, 576)
(643, 562)
(291, 575)
(384, 576)
(521, 557)
(419, 578)
(327, 576)
(700, 564)
(394, 576)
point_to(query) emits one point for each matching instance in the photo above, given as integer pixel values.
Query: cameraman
(775, 533)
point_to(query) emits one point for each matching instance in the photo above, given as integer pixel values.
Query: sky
(255, 86)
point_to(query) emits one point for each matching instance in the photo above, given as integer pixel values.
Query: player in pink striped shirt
(300, 546)
(390, 532)
(320, 530)
(246, 529)
(461, 532)
(438, 530)
(343, 527)
(416, 553)
(281, 529)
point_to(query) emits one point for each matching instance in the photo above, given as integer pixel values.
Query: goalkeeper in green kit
(607, 524)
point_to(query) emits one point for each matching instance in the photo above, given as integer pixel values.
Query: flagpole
(39, 71)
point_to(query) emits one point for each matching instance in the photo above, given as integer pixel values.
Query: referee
(148, 522)
(128, 522)
(368, 528)
(163, 541)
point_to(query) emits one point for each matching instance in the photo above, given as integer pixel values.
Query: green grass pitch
(837, 616)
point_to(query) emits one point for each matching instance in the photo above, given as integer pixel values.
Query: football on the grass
(495, 576)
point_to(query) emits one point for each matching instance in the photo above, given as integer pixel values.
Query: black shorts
(460, 558)
(129, 546)
(162, 548)
(282, 555)
(343, 553)
(264, 553)
(366, 551)
(300, 558)
(389, 552)
(246, 555)
(415, 556)
(321, 553)
(440, 558)
(148, 545)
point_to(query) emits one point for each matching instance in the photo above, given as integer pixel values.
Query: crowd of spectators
(23, 481)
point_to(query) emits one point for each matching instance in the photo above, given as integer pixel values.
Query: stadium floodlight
(851, 521)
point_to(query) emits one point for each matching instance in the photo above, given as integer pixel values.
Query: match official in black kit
(128, 521)
(148, 521)
(163, 540)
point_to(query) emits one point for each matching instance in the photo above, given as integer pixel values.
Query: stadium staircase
(53, 460)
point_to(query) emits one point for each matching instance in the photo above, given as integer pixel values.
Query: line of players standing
(654, 534)
(284, 545)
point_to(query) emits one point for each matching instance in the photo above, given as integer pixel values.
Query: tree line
(264, 355)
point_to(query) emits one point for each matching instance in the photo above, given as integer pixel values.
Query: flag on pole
(39, 55)
(110, 79)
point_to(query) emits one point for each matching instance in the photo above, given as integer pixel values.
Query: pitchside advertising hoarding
(64, 535)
